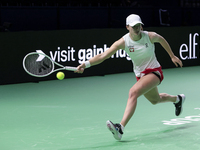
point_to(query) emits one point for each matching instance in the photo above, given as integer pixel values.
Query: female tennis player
(140, 47)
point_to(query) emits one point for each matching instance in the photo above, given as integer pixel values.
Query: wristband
(87, 64)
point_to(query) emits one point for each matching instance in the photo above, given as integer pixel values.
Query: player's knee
(133, 94)
(154, 100)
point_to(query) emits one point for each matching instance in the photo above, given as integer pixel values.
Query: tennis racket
(40, 65)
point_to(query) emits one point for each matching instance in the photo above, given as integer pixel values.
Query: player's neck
(136, 37)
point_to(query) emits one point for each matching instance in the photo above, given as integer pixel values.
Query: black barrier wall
(71, 47)
(35, 18)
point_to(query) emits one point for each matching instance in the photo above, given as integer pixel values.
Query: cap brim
(134, 23)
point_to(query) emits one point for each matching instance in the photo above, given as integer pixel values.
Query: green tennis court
(71, 114)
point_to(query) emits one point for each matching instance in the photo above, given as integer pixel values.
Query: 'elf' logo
(189, 51)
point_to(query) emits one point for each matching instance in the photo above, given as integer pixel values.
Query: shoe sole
(112, 129)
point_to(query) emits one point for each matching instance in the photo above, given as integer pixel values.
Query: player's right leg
(116, 129)
(142, 86)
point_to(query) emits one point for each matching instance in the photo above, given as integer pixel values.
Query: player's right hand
(80, 68)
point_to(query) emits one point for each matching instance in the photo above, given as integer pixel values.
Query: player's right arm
(120, 44)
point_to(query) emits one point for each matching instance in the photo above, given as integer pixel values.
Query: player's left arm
(156, 38)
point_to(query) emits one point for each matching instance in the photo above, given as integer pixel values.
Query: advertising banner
(72, 47)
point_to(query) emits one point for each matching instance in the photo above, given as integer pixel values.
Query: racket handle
(70, 68)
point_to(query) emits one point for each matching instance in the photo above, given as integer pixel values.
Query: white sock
(177, 100)
(122, 127)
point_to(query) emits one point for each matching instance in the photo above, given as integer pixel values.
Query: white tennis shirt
(142, 53)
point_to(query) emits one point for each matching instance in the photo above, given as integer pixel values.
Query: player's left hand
(177, 61)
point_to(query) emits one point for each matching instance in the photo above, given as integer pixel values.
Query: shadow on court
(154, 137)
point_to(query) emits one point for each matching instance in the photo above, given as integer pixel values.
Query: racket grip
(70, 68)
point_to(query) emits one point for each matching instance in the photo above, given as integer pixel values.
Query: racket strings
(41, 67)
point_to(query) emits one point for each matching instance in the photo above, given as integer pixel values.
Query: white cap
(133, 20)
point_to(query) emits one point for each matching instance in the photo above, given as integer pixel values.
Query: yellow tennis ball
(60, 75)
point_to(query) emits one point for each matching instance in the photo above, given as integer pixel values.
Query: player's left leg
(154, 97)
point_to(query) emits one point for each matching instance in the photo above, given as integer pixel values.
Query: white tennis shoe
(115, 129)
